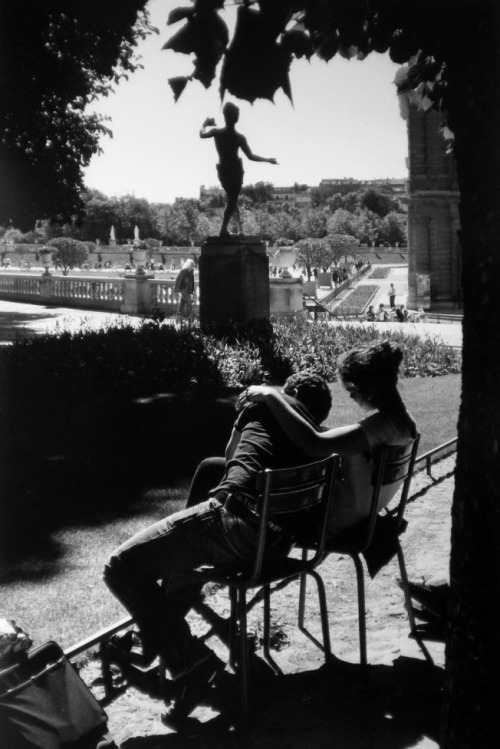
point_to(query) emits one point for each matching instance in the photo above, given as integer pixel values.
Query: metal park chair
(302, 495)
(376, 538)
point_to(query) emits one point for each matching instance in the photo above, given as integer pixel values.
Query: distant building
(348, 184)
(206, 193)
(292, 197)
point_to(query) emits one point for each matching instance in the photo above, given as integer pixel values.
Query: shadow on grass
(70, 462)
(342, 704)
(19, 325)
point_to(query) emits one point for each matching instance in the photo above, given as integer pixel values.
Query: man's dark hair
(311, 389)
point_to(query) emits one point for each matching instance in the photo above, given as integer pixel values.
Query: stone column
(234, 283)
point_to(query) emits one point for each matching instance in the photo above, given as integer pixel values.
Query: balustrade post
(137, 295)
(47, 288)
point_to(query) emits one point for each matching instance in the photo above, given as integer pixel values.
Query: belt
(243, 507)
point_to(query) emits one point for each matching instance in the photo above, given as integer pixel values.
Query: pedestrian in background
(184, 285)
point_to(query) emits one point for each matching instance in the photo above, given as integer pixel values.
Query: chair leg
(323, 608)
(361, 609)
(233, 628)
(409, 605)
(243, 659)
(302, 593)
(107, 678)
(266, 645)
(406, 590)
(267, 619)
(325, 646)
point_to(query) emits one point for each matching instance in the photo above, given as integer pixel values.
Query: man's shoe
(126, 648)
(192, 687)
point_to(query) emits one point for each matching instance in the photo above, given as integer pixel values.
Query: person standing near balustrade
(184, 285)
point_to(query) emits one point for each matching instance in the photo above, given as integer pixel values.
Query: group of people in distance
(149, 573)
(399, 313)
(395, 312)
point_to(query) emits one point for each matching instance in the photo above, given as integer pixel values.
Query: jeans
(205, 534)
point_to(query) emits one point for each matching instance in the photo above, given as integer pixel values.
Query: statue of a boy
(228, 141)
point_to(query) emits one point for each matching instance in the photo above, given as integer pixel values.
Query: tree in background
(313, 253)
(341, 246)
(178, 223)
(260, 192)
(284, 224)
(453, 57)
(68, 253)
(12, 236)
(392, 229)
(377, 202)
(344, 222)
(134, 212)
(313, 224)
(101, 213)
(57, 57)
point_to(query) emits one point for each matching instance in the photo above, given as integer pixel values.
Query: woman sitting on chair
(370, 377)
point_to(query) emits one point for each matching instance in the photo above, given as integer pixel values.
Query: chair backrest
(298, 497)
(393, 466)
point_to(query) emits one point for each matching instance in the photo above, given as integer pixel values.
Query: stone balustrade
(128, 294)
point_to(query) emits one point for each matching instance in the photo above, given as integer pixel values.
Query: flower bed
(358, 299)
(380, 273)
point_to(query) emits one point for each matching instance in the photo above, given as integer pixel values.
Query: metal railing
(444, 449)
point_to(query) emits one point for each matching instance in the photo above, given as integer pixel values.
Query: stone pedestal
(286, 296)
(137, 295)
(234, 282)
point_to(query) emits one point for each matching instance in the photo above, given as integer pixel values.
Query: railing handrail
(427, 456)
(96, 639)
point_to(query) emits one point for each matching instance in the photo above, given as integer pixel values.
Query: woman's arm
(347, 440)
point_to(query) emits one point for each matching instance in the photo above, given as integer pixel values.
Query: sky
(344, 122)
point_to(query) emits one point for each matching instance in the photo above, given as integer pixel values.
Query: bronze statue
(228, 141)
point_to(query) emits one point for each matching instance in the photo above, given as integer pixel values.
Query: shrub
(154, 357)
(68, 253)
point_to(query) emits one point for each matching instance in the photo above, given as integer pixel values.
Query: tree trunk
(471, 719)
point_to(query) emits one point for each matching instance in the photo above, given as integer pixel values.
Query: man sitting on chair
(219, 531)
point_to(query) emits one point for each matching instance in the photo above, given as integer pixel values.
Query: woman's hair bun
(375, 366)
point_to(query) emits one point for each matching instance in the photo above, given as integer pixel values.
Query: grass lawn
(62, 597)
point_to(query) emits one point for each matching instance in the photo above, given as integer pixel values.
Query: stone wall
(434, 265)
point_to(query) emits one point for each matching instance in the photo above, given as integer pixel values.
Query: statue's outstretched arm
(252, 156)
(209, 123)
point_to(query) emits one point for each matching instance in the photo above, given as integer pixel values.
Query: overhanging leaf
(256, 66)
(297, 43)
(178, 85)
(178, 14)
(185, 40)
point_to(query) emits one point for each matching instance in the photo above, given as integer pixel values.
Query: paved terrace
(18, 319)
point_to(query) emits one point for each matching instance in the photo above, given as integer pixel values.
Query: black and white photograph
(249, 374)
